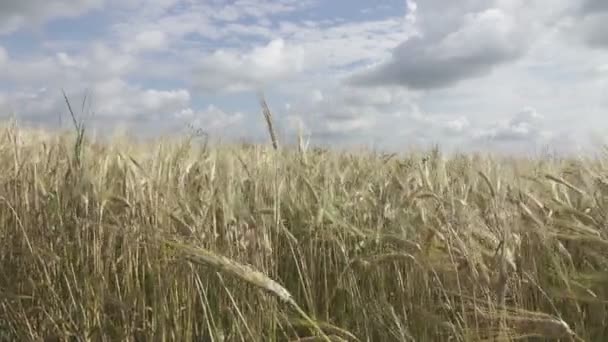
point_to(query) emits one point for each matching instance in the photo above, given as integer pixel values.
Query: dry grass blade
(268, 117)
(244, 272)
(332, 338)
(565, 183)
(488, 183)
(552, 328)
(329, 329)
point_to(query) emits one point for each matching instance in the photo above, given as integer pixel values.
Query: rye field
(177, 240)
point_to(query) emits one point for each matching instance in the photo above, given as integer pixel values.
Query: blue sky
(505, 75)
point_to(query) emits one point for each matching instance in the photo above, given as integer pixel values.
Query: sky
(467, 75)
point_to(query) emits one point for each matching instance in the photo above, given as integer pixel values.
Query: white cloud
(98, 61)
(255, 8)
(210, 119)
(339, 115)
(18, 14)
(238, 61)
(116, 98)
(525, 126)
(164, 101)
(340, 45)
(30, 69)
(217, 20)
(317, 96)
(149, 40)
(439, 123)
(233, 71)
(4, 106)
(593, 6)
(218, 124)
(585, 20)
(297, 51)
(548, 78)
(458, 125)
(472, 41)
(111, 101)
(594, 28)
(489, 30)
(107, 62)
(3, 56)
(447, 72)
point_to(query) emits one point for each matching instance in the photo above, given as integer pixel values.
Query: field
(179, 241)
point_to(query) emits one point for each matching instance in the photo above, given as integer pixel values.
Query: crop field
(175, 240)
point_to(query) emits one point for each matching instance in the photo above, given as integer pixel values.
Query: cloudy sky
(511, 75)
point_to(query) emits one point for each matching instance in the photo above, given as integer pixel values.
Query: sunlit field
(175, 240)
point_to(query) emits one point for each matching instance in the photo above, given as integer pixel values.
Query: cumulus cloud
(219, 124)
(3, 56)
(446, 125)
(116, 98)
(17, 14)
(586, 21)
(108, 62)
(256, 8)
(510, 51)
(69, 61)
(96, 62)
(340, 115)
(467, 45)
(593, 26)
(113, 100)
(30, 69)
(216, 20)
(5, 108)
(596, 33)
(226, 70)
(148, 41)
(209, 119)
(594, 6)
(343, 45)
(526, 126)
(288, 50)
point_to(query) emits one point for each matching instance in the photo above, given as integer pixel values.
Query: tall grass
(173, 241)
